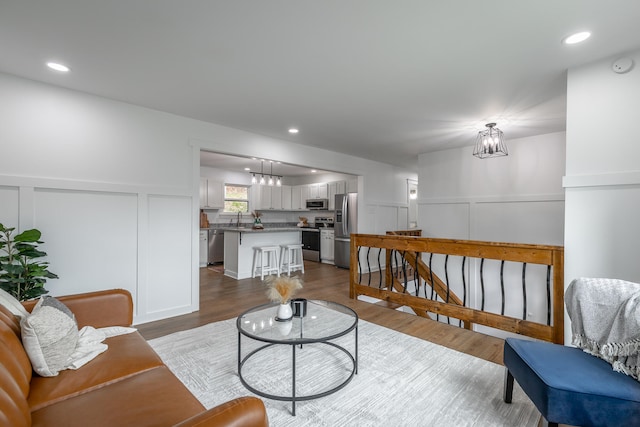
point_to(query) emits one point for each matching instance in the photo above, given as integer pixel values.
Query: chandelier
(490, 143)
(270, 176)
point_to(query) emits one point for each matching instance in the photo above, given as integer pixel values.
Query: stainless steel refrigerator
(345, 223)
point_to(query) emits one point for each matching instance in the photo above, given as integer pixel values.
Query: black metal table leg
(239, 354)
(293, 385)
(356, 358)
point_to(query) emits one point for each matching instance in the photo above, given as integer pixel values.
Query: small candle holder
(299, 306)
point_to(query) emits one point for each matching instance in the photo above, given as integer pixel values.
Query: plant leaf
(32, 235)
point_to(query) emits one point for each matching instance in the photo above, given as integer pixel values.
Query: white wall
(602, 180)
(518, 198)
(114, 189)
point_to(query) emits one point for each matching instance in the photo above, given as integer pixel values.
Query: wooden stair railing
(439, 287)
(411, 247)
(424, 272)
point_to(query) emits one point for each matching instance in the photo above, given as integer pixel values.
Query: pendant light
(271, 174)
(490, 143)
(272, 179)
(261, 172)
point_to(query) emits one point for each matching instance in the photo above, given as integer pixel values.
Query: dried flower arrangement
(257, 222)
(281, 289)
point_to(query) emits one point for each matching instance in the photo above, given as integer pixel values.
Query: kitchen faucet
(239, 218)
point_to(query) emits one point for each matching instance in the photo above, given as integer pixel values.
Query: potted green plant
(22, 272)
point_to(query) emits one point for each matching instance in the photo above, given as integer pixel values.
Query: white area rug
(401, 380)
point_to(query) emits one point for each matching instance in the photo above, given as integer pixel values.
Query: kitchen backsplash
(268, 219)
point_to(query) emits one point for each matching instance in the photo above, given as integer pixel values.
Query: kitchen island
(239, 244)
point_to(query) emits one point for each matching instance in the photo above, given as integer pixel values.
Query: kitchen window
(236, 198)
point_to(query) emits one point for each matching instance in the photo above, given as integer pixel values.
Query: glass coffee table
(312, 334)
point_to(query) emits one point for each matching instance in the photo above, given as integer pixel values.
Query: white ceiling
(379, 79)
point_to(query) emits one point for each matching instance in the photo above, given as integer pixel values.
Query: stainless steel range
(323, 221)
(311, 238)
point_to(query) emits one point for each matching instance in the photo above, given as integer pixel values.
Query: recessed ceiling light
(247, 169)
(576, 38)
(293, 130)
(58, 67)
(313, 171)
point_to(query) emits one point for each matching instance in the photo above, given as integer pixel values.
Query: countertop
(265, 230)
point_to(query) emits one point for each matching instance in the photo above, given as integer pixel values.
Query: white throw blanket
(605, 321)
(90, 344)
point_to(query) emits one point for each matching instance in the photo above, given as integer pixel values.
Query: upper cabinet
(304, 195)
(276, 197)
(318, 191)
(296, 198)
(292, 198)
(333, 188)
(271, 197)
(287, 203)
(211, 194)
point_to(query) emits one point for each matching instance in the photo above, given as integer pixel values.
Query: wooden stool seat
(268, 257)
(291, 258)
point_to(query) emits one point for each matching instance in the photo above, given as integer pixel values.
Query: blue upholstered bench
(569, 386)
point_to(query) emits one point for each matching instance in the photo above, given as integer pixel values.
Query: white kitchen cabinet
(286, 197)
(323, 193)
(270, 197)
(261, 196)
(256, 197)
(304, 195)
(296, 198)
(204, 247)
(276, 197)
(333, 188)
(211, 194)
(318, 191)
(326, 246)
(313, 191)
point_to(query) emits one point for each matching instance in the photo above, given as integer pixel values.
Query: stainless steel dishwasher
(216, 246)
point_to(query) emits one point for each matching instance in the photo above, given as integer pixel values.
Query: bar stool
(291, 258)
(268, 257)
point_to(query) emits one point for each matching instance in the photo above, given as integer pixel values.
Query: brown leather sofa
(128, 385)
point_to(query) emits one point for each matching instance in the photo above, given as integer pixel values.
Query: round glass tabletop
(322, 321)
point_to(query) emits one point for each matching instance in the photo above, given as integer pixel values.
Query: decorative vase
(284, 328)
(285, 313)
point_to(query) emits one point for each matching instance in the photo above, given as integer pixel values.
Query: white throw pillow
(12, 304)
(49, 336)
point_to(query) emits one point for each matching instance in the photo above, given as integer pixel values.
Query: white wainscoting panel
(386, 219)
(403, 218)
(169, 247)
(90, 238)
(603, 233)
(445, 220)
(535, 222)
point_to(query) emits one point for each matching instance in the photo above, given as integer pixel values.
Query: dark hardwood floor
(223, 298)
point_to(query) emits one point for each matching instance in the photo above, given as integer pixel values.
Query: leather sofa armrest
(241, 412)
(99, 309)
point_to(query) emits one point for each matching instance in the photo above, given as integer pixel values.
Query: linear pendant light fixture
(271, 176)
(490, 143)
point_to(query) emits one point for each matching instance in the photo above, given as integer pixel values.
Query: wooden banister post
(353, 266)
(558, 297)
